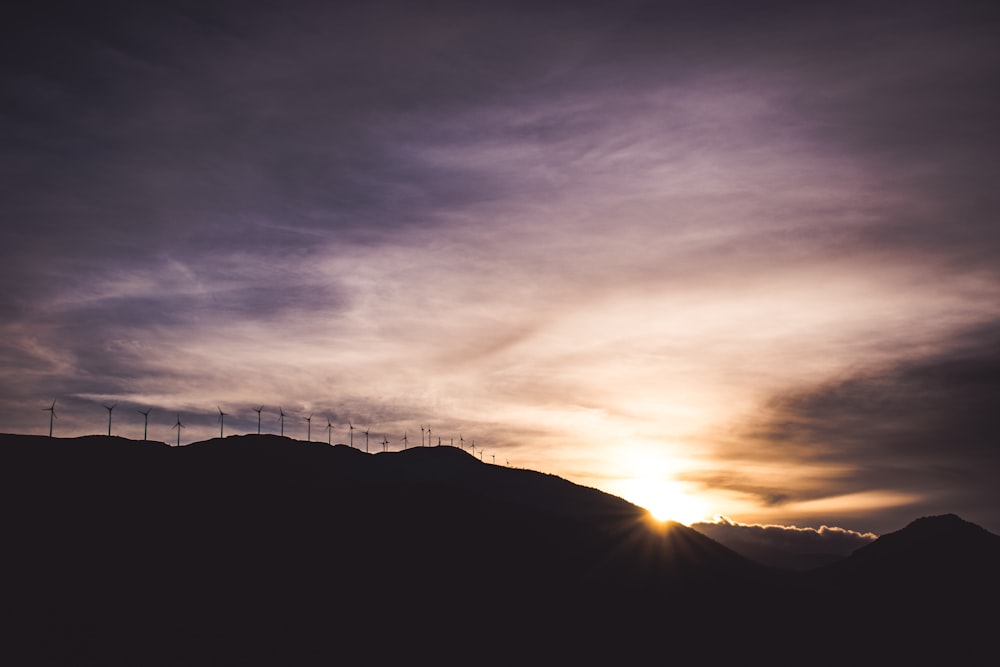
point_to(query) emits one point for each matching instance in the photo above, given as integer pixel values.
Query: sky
(718, 258)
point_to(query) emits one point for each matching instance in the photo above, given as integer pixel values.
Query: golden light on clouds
(566, 381)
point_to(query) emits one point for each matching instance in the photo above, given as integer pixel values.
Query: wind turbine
(351, 429)
(52, 415)
(494, 458)
(329, 431)
(404, 440)
(178, 426)
(309, 428)
(366, 440)
(222, 420)
(421, 435)
(428, 435)
(461, 440)
(281, 414)
(473, 447)
(257, 410)
(145, 422)
(385, 441)
(109, 409)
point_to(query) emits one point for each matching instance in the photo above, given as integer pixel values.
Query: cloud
(787, 547)
(920, 431)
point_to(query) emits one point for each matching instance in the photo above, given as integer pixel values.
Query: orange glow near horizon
(649, 480)
(666, 500)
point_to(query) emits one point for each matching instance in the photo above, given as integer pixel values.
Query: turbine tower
(109, 409)
(178, 426)
(309, 428)
(366, 440)
(281, 416)
(222, 420)
(385, 441)
(257, 410)
(329, 431)
(404, 440)
(351, 429)
(52, 415)
(145, 421)
(461, 441)
(428, 435)
(421, 435)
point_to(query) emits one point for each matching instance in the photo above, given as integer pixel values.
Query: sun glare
(666, 500)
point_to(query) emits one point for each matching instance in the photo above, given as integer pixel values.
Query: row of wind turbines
(281, 420)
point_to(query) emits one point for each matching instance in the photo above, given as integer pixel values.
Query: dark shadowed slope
(263, 550)
(424, 465)
(260, 550)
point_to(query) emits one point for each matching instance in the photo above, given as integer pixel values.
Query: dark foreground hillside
(259, 550)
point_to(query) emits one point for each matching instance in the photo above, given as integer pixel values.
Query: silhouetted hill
(928, 591)
(937, 557)
(263, 550)
(444, 465)
(928, 544)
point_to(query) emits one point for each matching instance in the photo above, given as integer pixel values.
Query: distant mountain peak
(944, 543)
(938, 520)
(941, 526)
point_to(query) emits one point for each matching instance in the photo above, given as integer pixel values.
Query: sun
(666, 500)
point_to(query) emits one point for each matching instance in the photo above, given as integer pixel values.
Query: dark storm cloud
(910, 89)
(186, 124)
(918, 99)
(196, 128)
(143, 126)
(928, 427)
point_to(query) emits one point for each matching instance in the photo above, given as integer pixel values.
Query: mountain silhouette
(923, 594)
(264, 550)
(934, 543)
